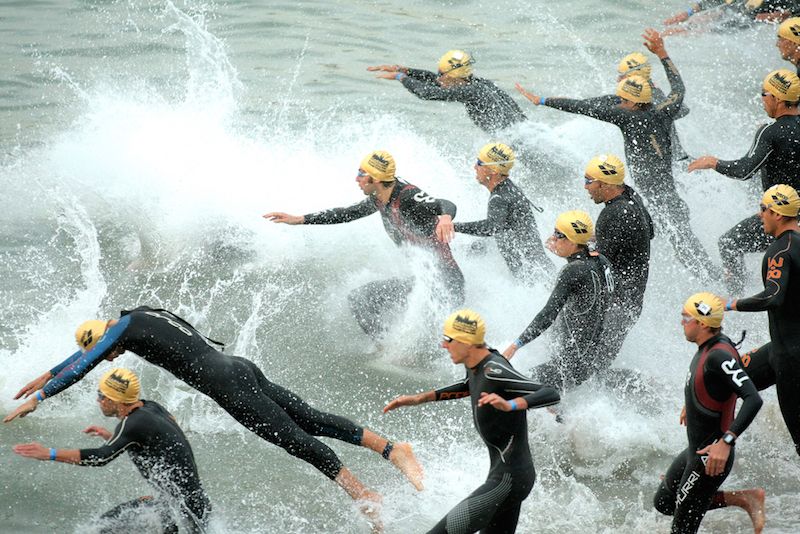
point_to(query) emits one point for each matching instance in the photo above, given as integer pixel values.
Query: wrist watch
(729, 438)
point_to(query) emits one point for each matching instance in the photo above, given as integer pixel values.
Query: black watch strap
(729, 438)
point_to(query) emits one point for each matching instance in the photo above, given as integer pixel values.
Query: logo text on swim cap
(702, 308)
(607, 168)
(498, 154)
(779, 82)
(465, 324)
(633, 87)
(379, 162)
(780, 199)
(579, 228)
(117, 383)
(87, 338)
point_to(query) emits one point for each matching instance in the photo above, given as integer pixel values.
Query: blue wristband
(39, 396)
(52, 455)
(513, 405)
(690, 11)
(399, 76)
(729, 305)
(542, 100)
(518, 343)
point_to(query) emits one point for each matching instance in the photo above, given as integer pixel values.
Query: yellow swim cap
(782, 199)
(706, 308)
(790, 30)
(465, 326)
(635, 89)
(634, 64)
(783, 84)
(606, 168)
(379, 165)
(577, 225)
(497, 155)
(89, 332)
(753, 4)
(456, 64)
(120, 385)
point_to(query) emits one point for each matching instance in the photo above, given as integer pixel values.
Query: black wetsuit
(409, 217)
(776, 153)
(489, 107)
(578, 306)
(160, 451)
(510, 219)
(716, 379)
(778, 362)
(740, 6)
(236, 384)
(648, 150)
(623, 232)
(494, 507)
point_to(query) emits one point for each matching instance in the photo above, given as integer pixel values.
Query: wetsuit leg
(746, 237)
(311, 420)
(757, 364)
(123, 517)
(375, 301)
(787, 384)
(686, 492)
(620, 319)
(550, 374)
(477, 512)
(257, 412)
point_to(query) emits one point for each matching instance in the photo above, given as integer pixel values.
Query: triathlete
(776, 153)
(489, 107)
(789, 41)
(745, 10)
(157, 447)
(500, 396)
(509, 216)
(715, 382)
(778, 362)
(236, 384)
(623, 233)
(410, 216)
(578, 306)
(648, 149)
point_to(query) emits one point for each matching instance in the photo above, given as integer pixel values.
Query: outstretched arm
(512, 391)
(409, 400)
(342, 215)
(39, 452)
(743, 168)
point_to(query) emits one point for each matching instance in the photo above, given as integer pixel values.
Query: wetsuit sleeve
(422, 75)
(515, 385)
(602, 101)
(78, 368)
(124, 438)
(672, 104)
(548, 314)
(498, 213)
(724, 367)
(591, 108)
(746, 167)
(459, 390)
(60, 367)
(342, 215)
(776, 284)
(430, 90)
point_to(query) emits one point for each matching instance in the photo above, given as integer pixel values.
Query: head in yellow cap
(789, 40)
(574, 230)
(463, 337)
(780, 207)
(118, 386)
(494, 164)
(781, 92)
(89, 332)
(376, 174)
(636, 90)
(456, 64)
(634, 64)
(604, 178)
(701, 317)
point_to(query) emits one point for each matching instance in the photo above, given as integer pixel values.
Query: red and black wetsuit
(778, 362)
(716, 379)
(409, 217)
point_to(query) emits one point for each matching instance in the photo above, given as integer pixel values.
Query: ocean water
(142, 141)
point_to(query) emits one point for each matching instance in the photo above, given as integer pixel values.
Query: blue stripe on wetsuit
(73, 369)
(60, 367)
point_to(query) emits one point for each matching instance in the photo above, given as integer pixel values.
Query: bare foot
(403, 458)
(754, 506)
(370, 505)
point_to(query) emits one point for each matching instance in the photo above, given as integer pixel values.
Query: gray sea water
(141, 142)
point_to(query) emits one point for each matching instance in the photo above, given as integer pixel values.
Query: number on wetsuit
(424, 197)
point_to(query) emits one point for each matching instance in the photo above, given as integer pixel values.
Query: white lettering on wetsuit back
(737, 375)
(170, 321)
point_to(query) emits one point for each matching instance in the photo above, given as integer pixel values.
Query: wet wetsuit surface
(489, 107)
(577, 306)
(236, 384)
(779, 361)
(495, 505)
(648, 151)
(510, 219)
(776, 153)
(160, 451)
(716, 379)
(409, 217)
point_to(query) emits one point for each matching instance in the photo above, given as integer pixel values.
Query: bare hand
(682, 418)
(718, 453)
(285, 218)
(22, 410)
(34, 385)
(510, 351)
(654, 43)
(530, 96)
(388, 68)
(32, 450)
(402, 400)
(97, 431)
(499, 403)
(703, 162)
(683, 16)
(444, 229)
